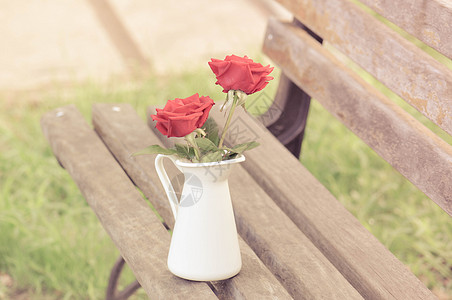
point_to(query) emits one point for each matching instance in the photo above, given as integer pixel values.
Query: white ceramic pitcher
(204, 245)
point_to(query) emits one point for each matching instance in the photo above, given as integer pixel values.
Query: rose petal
(208, 103)
(219, 67)
(182, 116)
(162, 127)
(181, 126)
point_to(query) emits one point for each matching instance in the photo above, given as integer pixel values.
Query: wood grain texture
(139, 235)
(407, 70)
(429, 21)
(355, 252)
(287, 252)
(406, 144)
(125, 132)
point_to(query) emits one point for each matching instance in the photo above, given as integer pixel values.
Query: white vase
(204, 245)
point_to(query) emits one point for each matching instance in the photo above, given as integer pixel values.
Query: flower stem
(228, 121)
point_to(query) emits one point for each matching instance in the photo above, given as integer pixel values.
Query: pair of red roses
(180, 117)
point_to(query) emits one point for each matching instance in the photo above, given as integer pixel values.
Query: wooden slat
(406, 144)
(124, 133)
(430, 21)
(407, 70)
(285, 250)
(139, 235)
(355, 252)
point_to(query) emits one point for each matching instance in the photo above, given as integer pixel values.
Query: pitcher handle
(164, 179)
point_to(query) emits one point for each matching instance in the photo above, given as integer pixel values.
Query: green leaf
(212, 156)
(244, 147)
(155, 149)
(184, 152)
(206, 145)
(211, 129)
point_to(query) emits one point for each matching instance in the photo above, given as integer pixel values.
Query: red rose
(180, 117)
(237, 73)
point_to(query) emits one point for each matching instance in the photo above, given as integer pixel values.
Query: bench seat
(297, 241)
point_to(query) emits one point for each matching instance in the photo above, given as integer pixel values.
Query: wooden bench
(311, 69)
(297, 240)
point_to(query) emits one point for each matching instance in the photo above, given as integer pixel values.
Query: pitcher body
(204, 244)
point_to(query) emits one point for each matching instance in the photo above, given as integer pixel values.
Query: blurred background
(46, 41)
(144, 52)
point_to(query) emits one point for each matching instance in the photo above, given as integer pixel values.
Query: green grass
(53, 246)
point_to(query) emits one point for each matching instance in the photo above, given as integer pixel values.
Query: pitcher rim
(180, 163)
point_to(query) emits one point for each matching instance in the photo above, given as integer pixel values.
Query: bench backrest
(420, 79)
